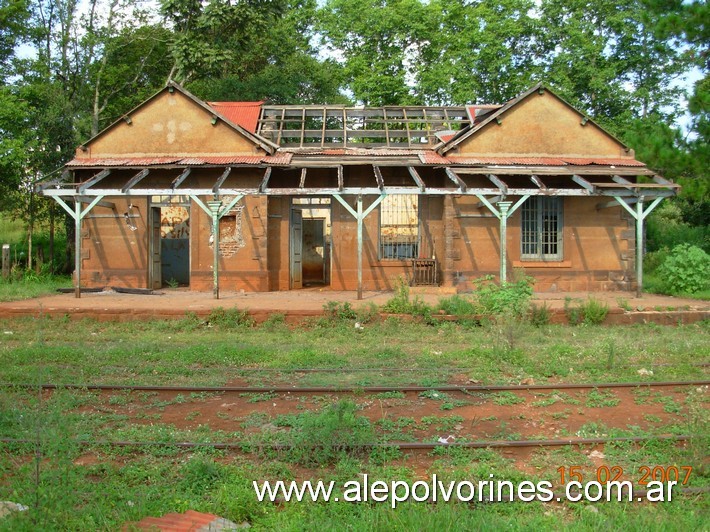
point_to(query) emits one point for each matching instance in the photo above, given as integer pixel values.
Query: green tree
(209, 37)
(605, 58)
(378, 43)
(281, 65)
(477, 51)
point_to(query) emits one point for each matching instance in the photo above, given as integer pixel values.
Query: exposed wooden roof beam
(663, 181)
(179, 179)
(265, 180)
(456, 179)
(553, 171)
(135, 180)
(490, 191)
(583, 183)
(94, 179)
(497, 182)
(538, 182)
(621, 180)
(417, 178)
(220, 181)
(302, 181)
(378, 176)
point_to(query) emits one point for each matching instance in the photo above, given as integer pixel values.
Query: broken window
(542, 229)
(399, 227)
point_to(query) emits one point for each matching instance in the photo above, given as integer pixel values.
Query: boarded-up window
(542, 229)
(399, 227)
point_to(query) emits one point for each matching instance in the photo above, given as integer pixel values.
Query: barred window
(541, 229)
(399, 227)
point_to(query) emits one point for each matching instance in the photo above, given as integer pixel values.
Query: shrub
(593, 312)
(230, 318)
(322, 438)
(336, 311)
(685, 270)
(539, 315)
(508, 298)
(457, 305)
(402, 304)
(367, 313)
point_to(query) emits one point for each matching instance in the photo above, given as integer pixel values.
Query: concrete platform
(300, 304)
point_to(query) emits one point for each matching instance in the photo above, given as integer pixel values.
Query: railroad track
(354, 389)
(240, 445)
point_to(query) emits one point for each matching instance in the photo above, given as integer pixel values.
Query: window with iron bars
(399, 227)
(541, 229)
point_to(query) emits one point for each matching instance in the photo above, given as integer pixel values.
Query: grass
(102, 488)
(43, 285)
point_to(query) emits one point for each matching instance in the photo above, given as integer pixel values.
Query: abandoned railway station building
(257, 197)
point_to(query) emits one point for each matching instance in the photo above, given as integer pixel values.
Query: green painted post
(639, 247)
(504, 207)
(359, 247)
(214, 207)
(77, 248)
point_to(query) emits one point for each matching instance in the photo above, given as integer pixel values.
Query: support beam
(456, 179)
(584, 183)
(220, 181)
(639, 214)
(615, 203)
(340, 178)
(378, 176)
(216, 210)
(77, 249)
(78, 214)
(100, 203)
(504, 211)
(417, 178)
(663, 181)
(214, 207)
(494, 199)
(497, 182)
(93, 180)
(135, 180)
(360, 216)
(538, 183)
(265, 181)
(179, 179)
(622, 181)
(302, 182)
(504, 207)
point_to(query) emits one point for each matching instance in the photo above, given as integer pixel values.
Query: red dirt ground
(482, 419)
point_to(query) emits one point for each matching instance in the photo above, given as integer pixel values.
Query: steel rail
(354, 389)
(398, 445)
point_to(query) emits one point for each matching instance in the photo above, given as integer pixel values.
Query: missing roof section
(317, 126)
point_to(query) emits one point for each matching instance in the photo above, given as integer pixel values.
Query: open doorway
(170, 241)
(310, 242)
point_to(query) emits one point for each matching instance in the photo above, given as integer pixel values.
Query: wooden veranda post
(504, 207)
(214, 207)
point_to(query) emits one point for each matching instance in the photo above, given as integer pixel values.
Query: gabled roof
(489, 117)
(172, 86)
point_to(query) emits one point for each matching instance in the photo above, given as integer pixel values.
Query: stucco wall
(542, 125)
(598, 247)
(170, 124)
(112, 253)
